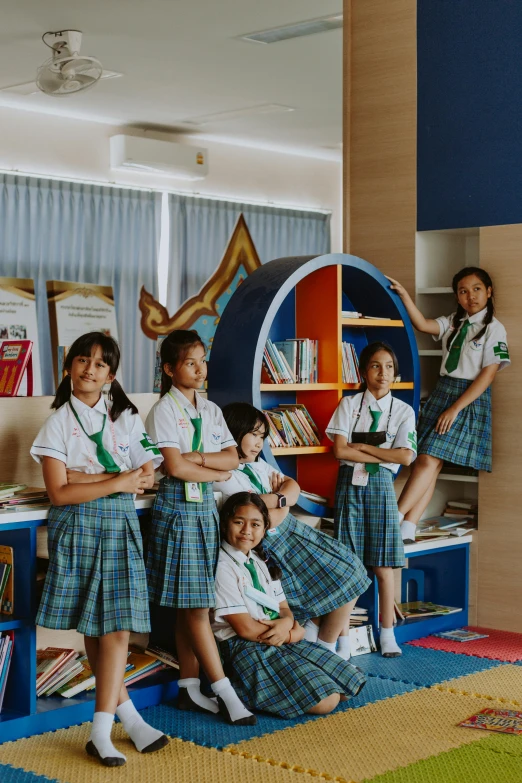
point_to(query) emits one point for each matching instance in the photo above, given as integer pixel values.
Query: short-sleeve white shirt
(231, 579)
(125, 439)
(400, 431)
(492, 347)
(169, 425)
(240, 482)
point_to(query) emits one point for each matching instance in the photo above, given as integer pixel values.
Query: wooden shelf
(457, 477)
(402, 385)
(370, 322)
(299, 386)
(296, 450)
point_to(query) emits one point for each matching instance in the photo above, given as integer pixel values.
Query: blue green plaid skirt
(366, 519)
(468, 442)
(183, 548)
(320, 574)
(287, 680)
(96, 580)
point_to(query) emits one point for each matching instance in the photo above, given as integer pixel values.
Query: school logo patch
(148, 445)
(216, 437)
(182, 423)
(501, 350)
(476, 346)
(76, 432)
(123, 447)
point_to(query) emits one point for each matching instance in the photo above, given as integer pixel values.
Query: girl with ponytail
(95, 456)
(455, 424)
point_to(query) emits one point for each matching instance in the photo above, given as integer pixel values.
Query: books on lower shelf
(358, 617)
(458, 519)
(22, 498)
(6, 654)
(361, 640)
(291, 361)
(412, 610)
(291, 425)
(7, 593)
(350, 364)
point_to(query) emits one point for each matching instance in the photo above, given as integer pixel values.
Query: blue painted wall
(469, 163)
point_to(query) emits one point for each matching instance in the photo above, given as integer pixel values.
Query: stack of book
(350, 364)
(6, 579)
(5, 570)
(358, 617)
(457, 521)
(291, 425)
(414, 610)
(18, 497)
(462, 511)
(55, 667)
(291, 361)
(6, 654)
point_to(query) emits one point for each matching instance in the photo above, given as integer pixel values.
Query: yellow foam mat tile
(60, 755)
(373, 739)
(502, 685)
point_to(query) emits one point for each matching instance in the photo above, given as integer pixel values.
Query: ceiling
(181, 59)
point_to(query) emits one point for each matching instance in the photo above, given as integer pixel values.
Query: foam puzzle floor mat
(503, 685)
(500, 645)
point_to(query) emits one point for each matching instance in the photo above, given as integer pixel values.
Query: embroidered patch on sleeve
(501, 350)
(148, 445)
(412, 438)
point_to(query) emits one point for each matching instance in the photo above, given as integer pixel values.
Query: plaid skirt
(468, 442)
(366, 519)
(96, 580)
(287, 680)
(320, 574)
(183, 548)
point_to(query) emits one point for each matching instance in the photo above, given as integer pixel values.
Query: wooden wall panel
(500, 492)
(380, 144)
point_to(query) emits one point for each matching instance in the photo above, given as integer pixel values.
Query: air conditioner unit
(166, 158)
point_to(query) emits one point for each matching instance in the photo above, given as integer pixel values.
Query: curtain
(59, 230)
(201, 228)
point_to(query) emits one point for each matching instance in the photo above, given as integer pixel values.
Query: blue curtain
(58, 230)
(201, 228)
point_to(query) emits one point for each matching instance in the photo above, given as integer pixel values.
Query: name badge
(262, 598)
(360, 475)
(193, 492)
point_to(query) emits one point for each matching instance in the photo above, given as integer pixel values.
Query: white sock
(343, 647)
(332, 646)
(101, 736)
(193, 686)
(236, 709)
(388, 644)
(408, 530)
(138, 730)
(311, 631)
(401, 516)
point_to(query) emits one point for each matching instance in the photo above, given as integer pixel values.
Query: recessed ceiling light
(30, 88)
(297, 30)
(222, 116)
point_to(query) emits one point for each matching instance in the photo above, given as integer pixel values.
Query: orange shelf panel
(405, 385)
(299, 386)
(298, 450)
(370, 322)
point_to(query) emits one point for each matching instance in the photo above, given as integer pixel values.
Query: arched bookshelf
(305, 297)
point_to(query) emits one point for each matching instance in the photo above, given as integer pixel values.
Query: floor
(402, 728)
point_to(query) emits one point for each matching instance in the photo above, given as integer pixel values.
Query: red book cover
(15, 359)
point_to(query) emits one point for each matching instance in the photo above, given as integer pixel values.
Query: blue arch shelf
(265, 306)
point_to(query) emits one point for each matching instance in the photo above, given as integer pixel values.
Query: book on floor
(505, 721)
(414, 609)
(461, 635)
(361, 640)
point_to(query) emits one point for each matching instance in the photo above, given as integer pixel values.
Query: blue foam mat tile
(423, 667)
(9, 774)
(211, 731)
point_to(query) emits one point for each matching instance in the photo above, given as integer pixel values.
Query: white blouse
(492, 347)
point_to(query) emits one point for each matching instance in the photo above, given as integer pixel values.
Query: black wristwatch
(281, 499)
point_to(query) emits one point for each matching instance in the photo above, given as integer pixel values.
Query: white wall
(57, 146)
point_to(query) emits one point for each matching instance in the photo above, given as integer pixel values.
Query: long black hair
(242, 418)
(368, 353)
(229, 509)
(173, 350)
(84, 346)
(460, 313)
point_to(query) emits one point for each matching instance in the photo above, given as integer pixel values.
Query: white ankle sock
(401, 516)
(343, 647)
(388, 644)
(311, 631)
(101, 736)
(408, 530)
(332, 646)
(138, 730)
(193, 686)
(236, 709)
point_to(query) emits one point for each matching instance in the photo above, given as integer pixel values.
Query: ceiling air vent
(297, 30)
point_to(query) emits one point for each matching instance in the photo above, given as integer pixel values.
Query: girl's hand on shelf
(445, 420)
(131, 481)
(276, 481)
(397, 287)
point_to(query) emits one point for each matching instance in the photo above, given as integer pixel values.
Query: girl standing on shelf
(197, 449)
(271, 665)
(322, 579)
(455, 424)
(95, 456)
(373, 434)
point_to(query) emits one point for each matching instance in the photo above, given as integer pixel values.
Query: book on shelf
(141, 665)
(48, 662)
(350, 363)
(320, 499)
(84, 680)
(505, 721)
(6, 654)
(15, 361)
(398, 613)
(361, 640)
(24, 497)
(291, 361)
(8, 489)
(7, 557)
(416, 609)
(350, 314)
(290, 425)
(165, 656)
(461, 635)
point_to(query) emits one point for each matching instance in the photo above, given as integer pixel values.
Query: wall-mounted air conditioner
(165, 158)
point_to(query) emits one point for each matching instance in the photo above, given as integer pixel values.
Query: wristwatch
(281, 499)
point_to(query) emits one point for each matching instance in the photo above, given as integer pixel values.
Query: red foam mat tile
(499, 646)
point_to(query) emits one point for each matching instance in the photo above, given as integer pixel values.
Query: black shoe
(391, 655)
(185, 702)
(109, 761)
(157, 744)
(250, 721)
(408, 541)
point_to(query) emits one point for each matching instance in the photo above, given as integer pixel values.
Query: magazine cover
(506, 721)
(461, 635)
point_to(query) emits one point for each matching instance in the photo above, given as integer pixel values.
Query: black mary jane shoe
(408, 541)
(223, 709)
(108, 761)
(157, 744)
(391, 655)
(185, 702)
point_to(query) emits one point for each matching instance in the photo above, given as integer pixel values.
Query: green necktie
(374, 467)
(103, 456)
(197, 440)
(452, 360)
(254, 480)
(251, 567)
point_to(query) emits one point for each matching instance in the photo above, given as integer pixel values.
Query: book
(83, 680)
(413, 609)
(5, 663)
(5, 569)
(505, 721)
(15, 360)
(162, 655)
(361, 640)
(6, 556)
(315, 498)
(350, 314)
(7, 490)
(48, 661)
(461, 635)
(398, 612)
(61, 677)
